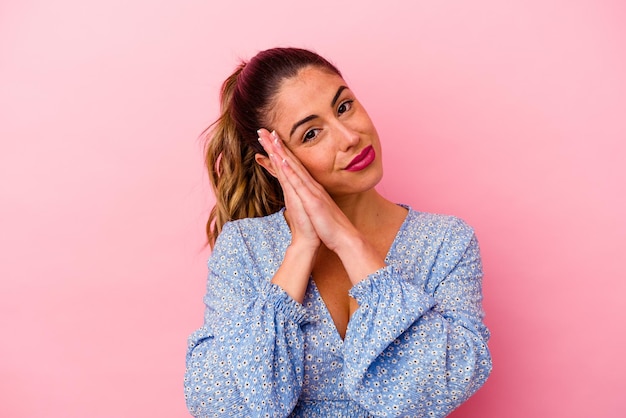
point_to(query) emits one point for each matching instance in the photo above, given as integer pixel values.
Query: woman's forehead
(310, 77)
(310, 88)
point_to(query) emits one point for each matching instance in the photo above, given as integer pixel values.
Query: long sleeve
(246, 360)
(417, 344)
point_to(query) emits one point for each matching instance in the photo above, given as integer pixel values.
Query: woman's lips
(364, 159)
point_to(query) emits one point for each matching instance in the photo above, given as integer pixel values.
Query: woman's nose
(348, 137)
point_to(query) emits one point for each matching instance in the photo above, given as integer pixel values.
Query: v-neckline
(323, 309)
(315, 293)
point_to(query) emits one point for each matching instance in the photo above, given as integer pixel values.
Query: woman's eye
(310, 135)
(344, 107)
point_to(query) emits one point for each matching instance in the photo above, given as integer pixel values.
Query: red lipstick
(362, 160)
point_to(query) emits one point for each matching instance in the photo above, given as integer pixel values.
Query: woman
(324, 298)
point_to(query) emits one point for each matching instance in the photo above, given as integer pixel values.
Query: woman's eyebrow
(311, 117)
(300, 122)
(339, 90)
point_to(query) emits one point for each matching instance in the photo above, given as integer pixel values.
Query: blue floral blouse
(415, 347)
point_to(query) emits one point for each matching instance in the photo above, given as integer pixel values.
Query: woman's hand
(313, 207)
(302, 230)
(295, 270)
(314, 215)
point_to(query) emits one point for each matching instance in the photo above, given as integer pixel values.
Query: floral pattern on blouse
(415, 347)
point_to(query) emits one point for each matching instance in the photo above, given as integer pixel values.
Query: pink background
(508, 114)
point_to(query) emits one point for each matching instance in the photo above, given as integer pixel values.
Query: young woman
(324, 298)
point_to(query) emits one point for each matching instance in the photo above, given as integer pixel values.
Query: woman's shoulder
(251, 239)
(273, 221)
(436, 225)
(257, 229)
(435, 239)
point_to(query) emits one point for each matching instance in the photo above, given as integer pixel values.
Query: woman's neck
(365, 209)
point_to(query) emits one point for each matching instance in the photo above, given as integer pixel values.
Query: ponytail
(242, 188)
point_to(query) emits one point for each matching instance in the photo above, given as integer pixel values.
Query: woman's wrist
(359, 258)
(294, 272)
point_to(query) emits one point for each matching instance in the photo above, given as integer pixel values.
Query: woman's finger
(314, 197)
(302, 227)
(322, 211)
(274, 145)
(289, 158)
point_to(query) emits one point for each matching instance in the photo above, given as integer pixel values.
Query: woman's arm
(246, 361)
(418, 346)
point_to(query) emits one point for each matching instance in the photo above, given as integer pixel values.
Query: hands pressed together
(315, 219)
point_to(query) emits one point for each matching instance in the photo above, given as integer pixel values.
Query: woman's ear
(266, 163)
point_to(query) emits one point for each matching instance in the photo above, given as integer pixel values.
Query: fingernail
(276, 139)
(284, 162)
(260, 140)
(258, 131)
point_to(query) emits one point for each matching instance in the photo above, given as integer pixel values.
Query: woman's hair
(243, 188)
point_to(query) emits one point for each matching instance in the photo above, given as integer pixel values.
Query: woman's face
(328, 130)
